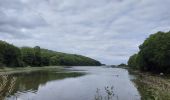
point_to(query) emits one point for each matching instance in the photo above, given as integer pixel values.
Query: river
(72, 83)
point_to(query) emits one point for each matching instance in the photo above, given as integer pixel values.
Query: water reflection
(29, 82)
(97, 84)
(110, 95)
(7, 85)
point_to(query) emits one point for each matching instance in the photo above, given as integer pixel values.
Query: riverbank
(8, 70)
(152, 86)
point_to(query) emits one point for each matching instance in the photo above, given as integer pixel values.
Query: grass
(108, 96)
(153, 87)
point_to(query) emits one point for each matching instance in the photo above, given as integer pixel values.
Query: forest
(153, 55)
(12, 56)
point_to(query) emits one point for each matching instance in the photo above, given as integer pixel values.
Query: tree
(154, 54)
(55, 60)
(37, 59)
(133, 61)
(45, 61)
(28, 56)
(1, 60)
(122, 65)
(10, 55)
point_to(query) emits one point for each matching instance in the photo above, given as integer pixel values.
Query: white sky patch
(107, 30)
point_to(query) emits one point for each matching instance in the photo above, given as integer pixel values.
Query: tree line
(12, 56)
(153, 55)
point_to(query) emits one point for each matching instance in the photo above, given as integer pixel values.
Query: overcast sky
(107, 30)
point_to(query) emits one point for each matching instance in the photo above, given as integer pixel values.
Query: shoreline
(151, 86)
(9, 70)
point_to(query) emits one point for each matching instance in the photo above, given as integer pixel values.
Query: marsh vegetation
(153, 87)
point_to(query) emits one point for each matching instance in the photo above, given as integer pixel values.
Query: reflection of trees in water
(23, 82)
(7, 84)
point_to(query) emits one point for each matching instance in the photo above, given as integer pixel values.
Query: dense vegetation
(12, 56)
(9, 55)
(122, 65)
(132, 62)
(154, 54)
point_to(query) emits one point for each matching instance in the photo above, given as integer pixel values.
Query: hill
(12, 56)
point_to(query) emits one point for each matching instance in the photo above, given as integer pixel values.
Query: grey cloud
(12, 33)
(21, 20)
(107, 30)
(11, 4)
(16, 16)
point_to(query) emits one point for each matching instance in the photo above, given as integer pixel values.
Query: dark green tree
(1, 60)
(122, 65)
(154, 54)
(133, 61)
(45, 61)
(37, 59)
(10, 55)
(28, 56)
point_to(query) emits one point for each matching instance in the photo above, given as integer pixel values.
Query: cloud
(107, 30)
(15, 17)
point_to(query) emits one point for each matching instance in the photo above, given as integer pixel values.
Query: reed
(153, 87)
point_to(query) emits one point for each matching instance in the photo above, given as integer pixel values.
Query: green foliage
(9, 55)
(58, 58)
(26, 56)
(154, 54)
(37, 58)
(45, 61)
(1, 60)
(122, 65)
(133, 61)
(55, 60)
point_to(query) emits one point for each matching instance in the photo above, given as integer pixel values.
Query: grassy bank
(152, 87)
(8, 70)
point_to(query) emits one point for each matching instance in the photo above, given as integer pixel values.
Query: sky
(107, 30)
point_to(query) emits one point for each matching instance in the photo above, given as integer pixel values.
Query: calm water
(77, 83)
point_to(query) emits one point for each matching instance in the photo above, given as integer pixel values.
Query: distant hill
(12, 56)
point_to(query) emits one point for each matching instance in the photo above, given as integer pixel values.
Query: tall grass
(153, 87)
(108, 95)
